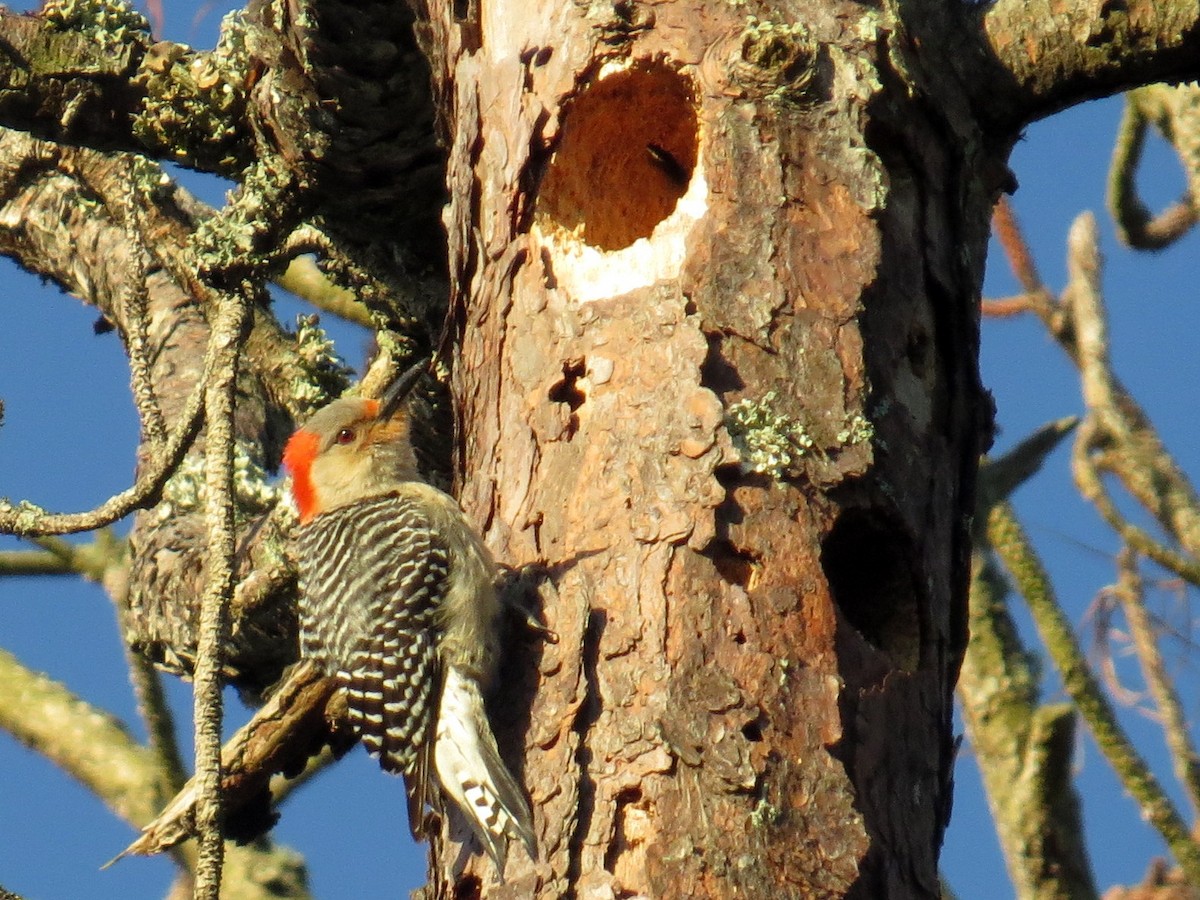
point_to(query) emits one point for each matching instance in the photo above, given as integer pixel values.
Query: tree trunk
(660, 236)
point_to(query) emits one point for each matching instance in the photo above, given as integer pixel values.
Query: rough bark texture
(751, 696)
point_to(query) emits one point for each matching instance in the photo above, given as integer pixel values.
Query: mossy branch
(1175, 112)
(1023, 747)
(87, 743)
(1128, 592)
(1012, 546)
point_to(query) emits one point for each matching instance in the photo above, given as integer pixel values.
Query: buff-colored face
(353, 448)
(343, 453)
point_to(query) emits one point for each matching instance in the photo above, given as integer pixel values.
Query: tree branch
(1025, 59)
(228, 335)
(1023, 747)
(280, 737)
(1174, 112)
(231, 260)
(34, 562)
(1128, 592)
(1123, 440)
(1008, 539)
(1091, 488)
(92, 77)
(87, 743)
(1024, 751)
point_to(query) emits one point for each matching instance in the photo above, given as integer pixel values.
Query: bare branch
(1008, 307)
(1008, 539)
(998, 478)
(1030, 58)
(1131, 448)
(87, 743)
(1016, 248)
(278, 738)
(1091, 488)
(1174, 112)
(34, 562)
(228, 334)
(1130, 595)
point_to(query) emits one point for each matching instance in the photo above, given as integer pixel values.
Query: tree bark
(658, 212)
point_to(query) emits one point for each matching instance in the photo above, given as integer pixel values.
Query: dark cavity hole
(870, 566)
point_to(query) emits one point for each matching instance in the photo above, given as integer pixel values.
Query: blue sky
(67, 443)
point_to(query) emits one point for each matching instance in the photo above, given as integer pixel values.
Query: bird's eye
(345, 436)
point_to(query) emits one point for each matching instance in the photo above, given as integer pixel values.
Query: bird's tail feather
(473, 775)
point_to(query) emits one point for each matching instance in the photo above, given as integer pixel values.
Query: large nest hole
(627, 154)
(869, 564)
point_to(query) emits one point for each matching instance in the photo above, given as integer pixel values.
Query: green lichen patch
(29, 515)
(857, 429)
(329, 374)
(765, 814)
(768, 442)
(771, 443)
(109, 22)
(186, 491)
(194, 102)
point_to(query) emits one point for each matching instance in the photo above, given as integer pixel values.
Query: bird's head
(352, 449)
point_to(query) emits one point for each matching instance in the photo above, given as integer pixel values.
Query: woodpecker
(398, 604)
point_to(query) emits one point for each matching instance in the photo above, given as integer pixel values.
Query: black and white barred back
(371, 574)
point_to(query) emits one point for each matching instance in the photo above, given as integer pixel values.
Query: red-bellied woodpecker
(397, 602)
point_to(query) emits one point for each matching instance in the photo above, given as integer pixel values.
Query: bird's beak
(399, 389)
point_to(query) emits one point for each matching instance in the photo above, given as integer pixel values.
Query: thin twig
(1020, 259)
(1100, 613)
(999, 477)
(133, 298)
(156, 715)
(1085, 298)
(1019, 558)
(34, 562)
(228, 334)
(1132, 449)
(1091, 488)
(1009, 307)
(1136, 226)
(59, 557)
(1129, 593)
(27, 520)
(1038, 299)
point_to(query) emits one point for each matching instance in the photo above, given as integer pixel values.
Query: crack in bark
(588, 715)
